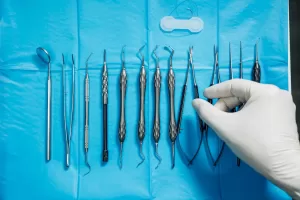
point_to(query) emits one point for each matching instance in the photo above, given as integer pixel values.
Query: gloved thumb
(215, 118)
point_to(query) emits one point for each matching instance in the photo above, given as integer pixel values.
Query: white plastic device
(169, 23)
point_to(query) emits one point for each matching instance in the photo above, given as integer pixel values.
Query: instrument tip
(173, 155)
(73, 60)
(87, 164)
(141, 154)
(157, 155)
(63, 58)
(120, 158)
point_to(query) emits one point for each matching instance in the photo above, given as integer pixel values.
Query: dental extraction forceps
(172, 123)
(86, 126)
(141, 126)
(68, 131)
(122, 125)
(216, 70)
(104, 102)
(156, 126)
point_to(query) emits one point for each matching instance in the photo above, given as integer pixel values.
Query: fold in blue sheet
(81, 27)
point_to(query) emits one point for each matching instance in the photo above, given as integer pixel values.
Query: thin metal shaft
(241, 61)
(122, 125)
(86, 129)
(230, 62)
(218, 67)
(156, 126)
(141, 127)
(215, 66)
(121, 157)
(191, 63)
(238, 160)
(49, 90)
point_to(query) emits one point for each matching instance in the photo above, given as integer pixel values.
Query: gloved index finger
(233, 88)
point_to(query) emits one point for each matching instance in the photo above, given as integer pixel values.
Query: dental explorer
(68, 131)
(141, 127)
(216, 70)
(196, 96)
(45, 57)
(104, 102)
(86, 127)
(156, 126)
(256, 71)
(122, 126)
(172, 123)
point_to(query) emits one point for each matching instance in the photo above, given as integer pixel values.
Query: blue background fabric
(81, 27)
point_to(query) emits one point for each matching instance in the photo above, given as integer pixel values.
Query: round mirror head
(43, 54)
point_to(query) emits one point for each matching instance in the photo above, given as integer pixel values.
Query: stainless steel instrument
(45, 57)
(141, 127)
(122, 125)
(172, 123)
(156, 126)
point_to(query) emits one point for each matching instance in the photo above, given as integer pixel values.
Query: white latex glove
(263, 133)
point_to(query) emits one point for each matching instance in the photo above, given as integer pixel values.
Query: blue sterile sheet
(81, 27)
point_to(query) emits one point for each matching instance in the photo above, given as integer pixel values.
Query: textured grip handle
(86, 127)
(157, 85)
(141, 128)
(122, 126)
(105, 87)
(181, 108)
(256, 74)
(172, 124)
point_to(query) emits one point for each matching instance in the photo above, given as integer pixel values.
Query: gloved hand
(263, 133)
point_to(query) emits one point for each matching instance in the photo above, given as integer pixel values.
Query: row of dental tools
(174, 128)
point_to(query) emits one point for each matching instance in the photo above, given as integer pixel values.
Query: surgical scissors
(68, 131)
(216, 71)
(196, 96)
